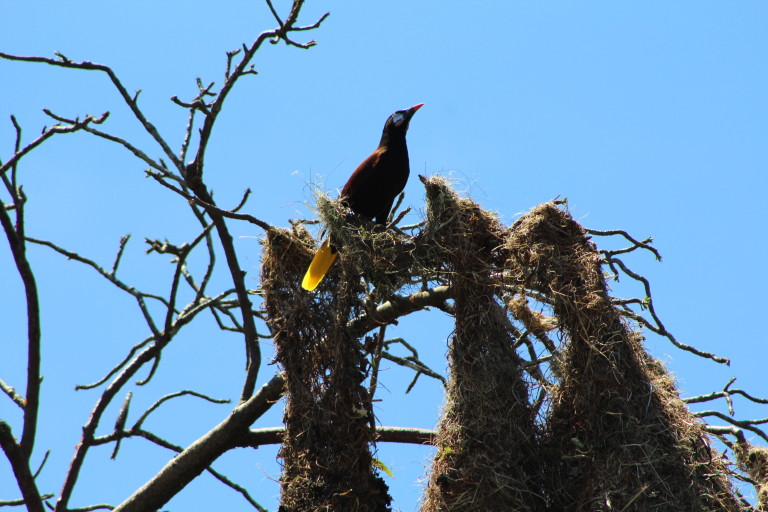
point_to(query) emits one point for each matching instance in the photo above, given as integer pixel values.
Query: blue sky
(651, 118)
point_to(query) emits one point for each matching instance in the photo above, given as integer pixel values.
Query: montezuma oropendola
(372, 188)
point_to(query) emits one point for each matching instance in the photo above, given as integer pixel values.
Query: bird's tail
(322, 261)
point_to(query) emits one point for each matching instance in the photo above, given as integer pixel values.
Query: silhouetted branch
(89, 508)
(119, 434)
(266, 436)
(139, 296)
(75, 126)
(201, 454)
(14, 233)
(398, 306)
(657, 326)
(112, 138)
(726, 393)
(12, 394)
(19, 461)
(18, 503)
(212, 208)
(411, 361)
(745, 424)
(131, 101)
(239, 70)
(117, 367)
(645, 244)
(171, 396)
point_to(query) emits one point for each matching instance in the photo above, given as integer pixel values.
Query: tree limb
(398, 306)
(186, 466)
(19, 461)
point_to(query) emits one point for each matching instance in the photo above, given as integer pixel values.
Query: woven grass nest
(610, 434)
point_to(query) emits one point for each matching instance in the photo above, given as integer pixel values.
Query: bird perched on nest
(372, 188)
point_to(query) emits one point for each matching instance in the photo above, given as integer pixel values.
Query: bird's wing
(362, 180)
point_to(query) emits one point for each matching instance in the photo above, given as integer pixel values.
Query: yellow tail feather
(319, 267)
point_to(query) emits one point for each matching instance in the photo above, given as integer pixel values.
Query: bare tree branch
(32, 399)
(18, 503)
(658, 327)
(645, 244)
(745, 424)
(12, 394)
(89, 508)
(171, 396)
(210, 207)
(266, 436)
(19, 461)
(48, 133)
(139, 296)
(724, 394)
(398, 306)
(183, 468)
(239, 70)
(112, 138)
(411, 361)
(131, 101)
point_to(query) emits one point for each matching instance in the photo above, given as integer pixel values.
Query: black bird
(372, 188)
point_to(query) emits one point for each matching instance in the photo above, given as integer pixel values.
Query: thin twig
(42, 464)
(171, 396)
(659, 328)
(411, 362)
(89, 508)
(118, 366)
(131, 101)
(194, 459)
(139, 296)
(645, 244)
(112, 138)
(123, 242)
(12, 394)
(122, 417)
(720, 394)
(745, 424)
(231, 214)
(48, 133)
(375, 360)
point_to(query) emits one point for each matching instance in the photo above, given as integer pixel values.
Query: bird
(372, 188)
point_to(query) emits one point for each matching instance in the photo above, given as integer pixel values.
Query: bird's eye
(397, 118)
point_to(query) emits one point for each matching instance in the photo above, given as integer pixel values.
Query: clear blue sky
(651, 118)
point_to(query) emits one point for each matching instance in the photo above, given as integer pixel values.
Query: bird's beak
(413, 110)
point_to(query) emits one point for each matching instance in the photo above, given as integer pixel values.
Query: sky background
(651, 118)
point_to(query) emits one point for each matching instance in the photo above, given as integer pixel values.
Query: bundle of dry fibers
(326, 450)
(487, 456)
(618, 436)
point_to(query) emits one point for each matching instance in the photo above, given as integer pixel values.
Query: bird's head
(397, 124)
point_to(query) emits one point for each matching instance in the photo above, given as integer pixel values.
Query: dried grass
(487, 443)
(326, 448)
(616, 436)
(754, 461)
